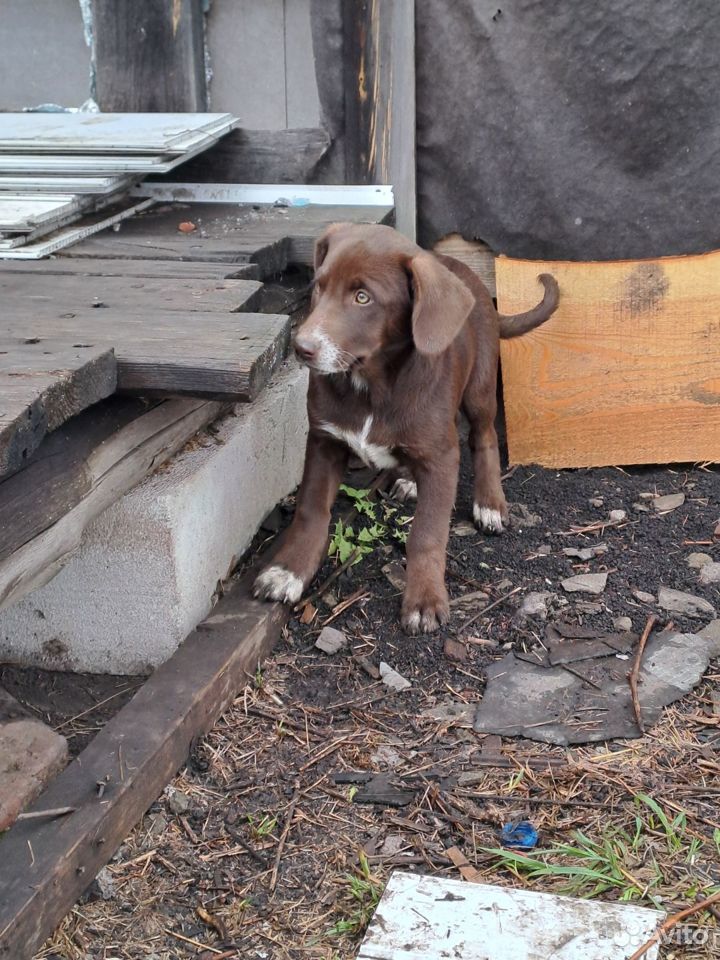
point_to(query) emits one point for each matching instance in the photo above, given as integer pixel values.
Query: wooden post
(379, 53)
(150, 56)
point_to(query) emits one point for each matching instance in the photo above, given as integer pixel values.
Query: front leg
(303, 549)
(425, 604)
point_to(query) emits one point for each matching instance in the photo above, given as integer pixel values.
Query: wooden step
(87, 267)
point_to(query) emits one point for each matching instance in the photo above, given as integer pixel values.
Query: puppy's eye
(362, 297)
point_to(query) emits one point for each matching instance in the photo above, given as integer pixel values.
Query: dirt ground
(275, 840)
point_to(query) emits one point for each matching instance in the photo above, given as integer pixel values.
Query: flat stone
(521, 517)
(392, 679)
(386, 756)
(535, 605)
(178, 802)
(30, 755)
(696, 561)
(331, 640)
(622, 623)
(454, 650)
(478, 597)
(669, 502)
(586, 553)
(585, 583)
(711, 636)
(544, 550)
(710, 573)
(617, 516)
(643, 596)
(640, 508)
(464, 529)
(596, 501)
(678, 602)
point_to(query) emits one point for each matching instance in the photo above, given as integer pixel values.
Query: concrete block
(147, 568)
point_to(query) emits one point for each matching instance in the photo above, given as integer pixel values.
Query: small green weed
(364, 892)
(345, 541)
(263, 827)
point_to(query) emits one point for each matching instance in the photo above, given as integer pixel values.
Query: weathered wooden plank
(379, 57)
(56, 477)
(258, 156)
(114, 465)
(131, 294)
(219, 355)
(149, 57)
(85, 267)
(46, 866)
(42, 385)
(477, 255)
(269, 237)
(626, 371)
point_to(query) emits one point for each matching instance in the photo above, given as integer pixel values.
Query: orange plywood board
(626, 371)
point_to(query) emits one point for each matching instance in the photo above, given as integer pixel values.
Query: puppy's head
(373, 290)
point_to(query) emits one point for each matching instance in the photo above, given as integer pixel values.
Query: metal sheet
(67, 237)
(32, 184)
(294, 195)
(117, 133)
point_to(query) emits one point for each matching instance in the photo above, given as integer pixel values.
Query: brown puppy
(397, 341)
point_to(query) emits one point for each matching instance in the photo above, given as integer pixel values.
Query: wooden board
(85, 267)
(47, 865)
(258, 156)
(131, 294)
(44, 384)
(477, 255)
(76, 476)
(229, 233)
(149, 57)
(379, 58)
(221, 355)
(628, 369)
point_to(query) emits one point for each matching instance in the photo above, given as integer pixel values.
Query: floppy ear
(322, 244)
(441, 304)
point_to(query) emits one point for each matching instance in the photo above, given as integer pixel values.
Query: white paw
(487, 519)
(404, 490)
(277, 583)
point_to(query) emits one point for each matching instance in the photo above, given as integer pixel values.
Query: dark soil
(257, 848)
(75, 704)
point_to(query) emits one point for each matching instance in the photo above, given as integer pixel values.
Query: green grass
(642, 860)
(362, 892)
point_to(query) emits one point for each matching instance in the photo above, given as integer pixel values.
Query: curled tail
(519, 324)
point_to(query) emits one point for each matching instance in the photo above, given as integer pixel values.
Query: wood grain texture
(220, 355)
(149, 57)
(477, 255)
(257, 156)
(44, 384)
(132, 294)
(49, 528)
(379, 57)
(627, 371)
(85, 267)
(47, 865)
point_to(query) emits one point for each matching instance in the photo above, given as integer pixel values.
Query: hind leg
(490, 510)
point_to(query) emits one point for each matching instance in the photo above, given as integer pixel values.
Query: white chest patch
(371, 453)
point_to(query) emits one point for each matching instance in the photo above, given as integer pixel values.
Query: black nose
(305, 348)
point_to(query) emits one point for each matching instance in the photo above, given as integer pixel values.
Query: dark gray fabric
(582, 129)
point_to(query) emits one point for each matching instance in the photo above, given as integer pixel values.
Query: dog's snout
(306, 348)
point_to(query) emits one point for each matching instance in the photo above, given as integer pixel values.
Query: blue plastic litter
(522, 834)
